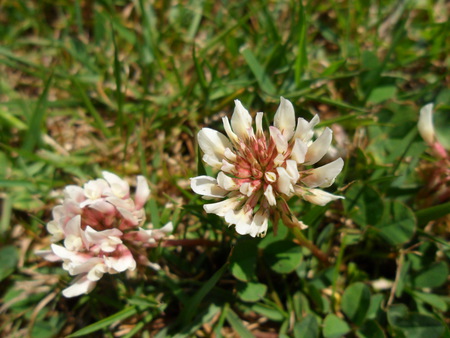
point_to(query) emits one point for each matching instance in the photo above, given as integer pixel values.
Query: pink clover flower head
(259, 172)
(99, 225)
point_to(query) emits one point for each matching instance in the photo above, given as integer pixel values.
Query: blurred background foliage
(124, 86)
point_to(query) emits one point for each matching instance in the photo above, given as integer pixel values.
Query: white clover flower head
(100, 226)
(260, 172)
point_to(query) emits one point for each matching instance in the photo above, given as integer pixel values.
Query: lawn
(125, 87)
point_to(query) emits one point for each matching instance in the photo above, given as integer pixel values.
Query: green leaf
(283, 256)
(363, 204)
(398, 224)
(414, 325)
(260, 74)
(269, 311)
(382, 93)
(334, 327)
(251, 292)
(433, 276)
(9, 256)
(307, 327)
(117, 317)
(430, 298)
(370, 329)
(243, 259)
(356, 302)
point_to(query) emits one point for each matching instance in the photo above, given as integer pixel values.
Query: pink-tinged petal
(425, 124)
(207, 186)
(222, 207)
(323, 176)
(127, 203)
(124, 261)
(71, 209)
(142, 192)
(65, 254)
(280, 141)
(226, 182)
(106, 239)
(128, 217)
(231, 135)
(119, 187)
(75, 193)
(304, 129)
(299, 151)
(152, 235)
(241, 121)
(76, 268)
(79, 287)
(270, 195)
(48, 255)
(284, 118)
(73, 239)
(319, 147)
(213, 145)
(317, 196)
(103, 206)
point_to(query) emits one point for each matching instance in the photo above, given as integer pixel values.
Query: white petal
(97, 271)
(259, 124)
(213, 145)
(319, 147)
(304, 129)
(425, 125)
(280, 141)
(94, 189)
(226, 182)
(207, 186)
(142, 192)
(259, 224)
(270, 196)
(230, 155)
(226, 124)
(284, 118)
(325, 175)
(284, 181)
(80, 286)
(222, 207)
(292, 170)
(119, 187)
(241, 219)
(318, 196)
(299, 151)
(75, 193)
(228, 167)
(241, 121)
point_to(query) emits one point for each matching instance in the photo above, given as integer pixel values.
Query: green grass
(125, 86)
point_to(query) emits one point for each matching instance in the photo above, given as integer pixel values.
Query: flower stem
(303, 241)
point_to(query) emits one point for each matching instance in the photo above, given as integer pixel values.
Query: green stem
(303, 241)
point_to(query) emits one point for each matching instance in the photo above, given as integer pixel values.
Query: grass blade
(33, 134)
(121, 315)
